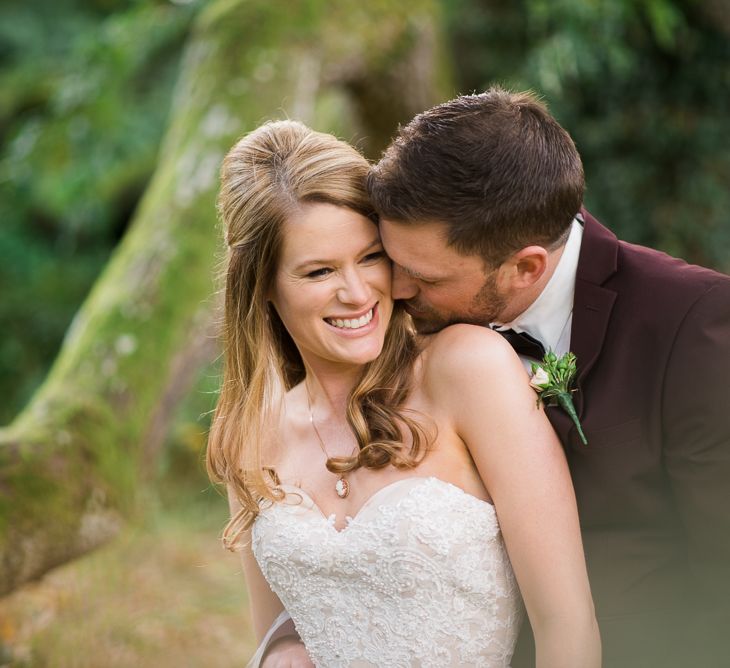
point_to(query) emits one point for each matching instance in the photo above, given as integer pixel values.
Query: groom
(481, 211)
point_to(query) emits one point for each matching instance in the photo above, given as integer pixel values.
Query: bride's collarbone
(301, 464)
(320, 488)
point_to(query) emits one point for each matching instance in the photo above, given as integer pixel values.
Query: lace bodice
(419, 577)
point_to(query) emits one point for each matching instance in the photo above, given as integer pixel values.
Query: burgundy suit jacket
(652, 339)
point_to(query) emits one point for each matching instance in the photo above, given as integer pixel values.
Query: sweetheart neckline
(349, 519)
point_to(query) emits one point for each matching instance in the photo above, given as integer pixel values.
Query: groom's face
(438, 285)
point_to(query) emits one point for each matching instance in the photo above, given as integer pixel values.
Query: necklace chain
(342, 486)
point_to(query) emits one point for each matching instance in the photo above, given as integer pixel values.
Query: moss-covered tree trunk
(70, 462)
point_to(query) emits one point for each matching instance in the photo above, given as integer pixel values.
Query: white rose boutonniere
(540, 379)
(551, 379)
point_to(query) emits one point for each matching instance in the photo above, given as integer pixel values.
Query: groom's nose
(404, 286)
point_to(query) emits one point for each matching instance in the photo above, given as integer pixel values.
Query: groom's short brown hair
(496, 167)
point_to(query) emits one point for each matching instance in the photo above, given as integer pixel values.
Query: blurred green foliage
(85, 86)
(85, 89)
(643, 86)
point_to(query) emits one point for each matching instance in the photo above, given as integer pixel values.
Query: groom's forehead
(426, 236)
(422, 250)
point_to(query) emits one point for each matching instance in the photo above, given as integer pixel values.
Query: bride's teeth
(352, 323)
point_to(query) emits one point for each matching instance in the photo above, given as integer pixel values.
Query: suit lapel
(593, 303)
(590, 322)
(592, 306)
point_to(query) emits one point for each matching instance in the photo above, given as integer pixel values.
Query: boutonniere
(551, 379)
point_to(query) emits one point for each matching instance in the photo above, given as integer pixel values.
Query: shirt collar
(547, 317)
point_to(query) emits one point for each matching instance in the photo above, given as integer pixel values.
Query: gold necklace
(342, 487)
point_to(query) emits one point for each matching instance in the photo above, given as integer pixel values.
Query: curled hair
(265, 178)
(496, 168)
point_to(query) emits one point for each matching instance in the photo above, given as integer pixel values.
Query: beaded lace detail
(419, 577)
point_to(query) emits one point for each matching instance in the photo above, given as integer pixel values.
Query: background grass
(164, 594)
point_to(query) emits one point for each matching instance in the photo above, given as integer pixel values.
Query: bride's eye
(319, 273)
(374, 257)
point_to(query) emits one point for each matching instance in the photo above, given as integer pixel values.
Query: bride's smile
(356, 323)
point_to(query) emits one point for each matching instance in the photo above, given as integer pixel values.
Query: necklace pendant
(342, 488)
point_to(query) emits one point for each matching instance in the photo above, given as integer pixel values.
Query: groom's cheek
(403, 286)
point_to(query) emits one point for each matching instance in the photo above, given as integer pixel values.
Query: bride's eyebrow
(375, 243)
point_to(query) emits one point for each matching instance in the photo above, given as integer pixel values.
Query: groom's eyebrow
(417, 274)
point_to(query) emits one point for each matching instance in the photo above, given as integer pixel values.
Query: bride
(400, 497)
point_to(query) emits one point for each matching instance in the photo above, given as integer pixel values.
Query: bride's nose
(354, 289)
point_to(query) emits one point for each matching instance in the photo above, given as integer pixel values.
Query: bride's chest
(416, 528)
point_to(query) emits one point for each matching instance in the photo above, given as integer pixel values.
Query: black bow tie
(523, 343)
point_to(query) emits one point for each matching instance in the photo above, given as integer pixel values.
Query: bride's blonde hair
(265, 177)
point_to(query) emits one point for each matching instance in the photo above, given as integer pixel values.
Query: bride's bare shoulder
(464, 353)
(460, 343)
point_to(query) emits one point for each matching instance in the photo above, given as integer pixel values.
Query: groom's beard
(485, 308)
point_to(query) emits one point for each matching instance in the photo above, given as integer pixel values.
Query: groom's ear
(525, 267)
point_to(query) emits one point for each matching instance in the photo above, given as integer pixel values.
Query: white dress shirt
(550, 316)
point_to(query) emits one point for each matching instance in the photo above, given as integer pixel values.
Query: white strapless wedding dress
(419, 577)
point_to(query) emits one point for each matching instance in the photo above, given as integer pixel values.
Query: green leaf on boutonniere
(552, 379)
